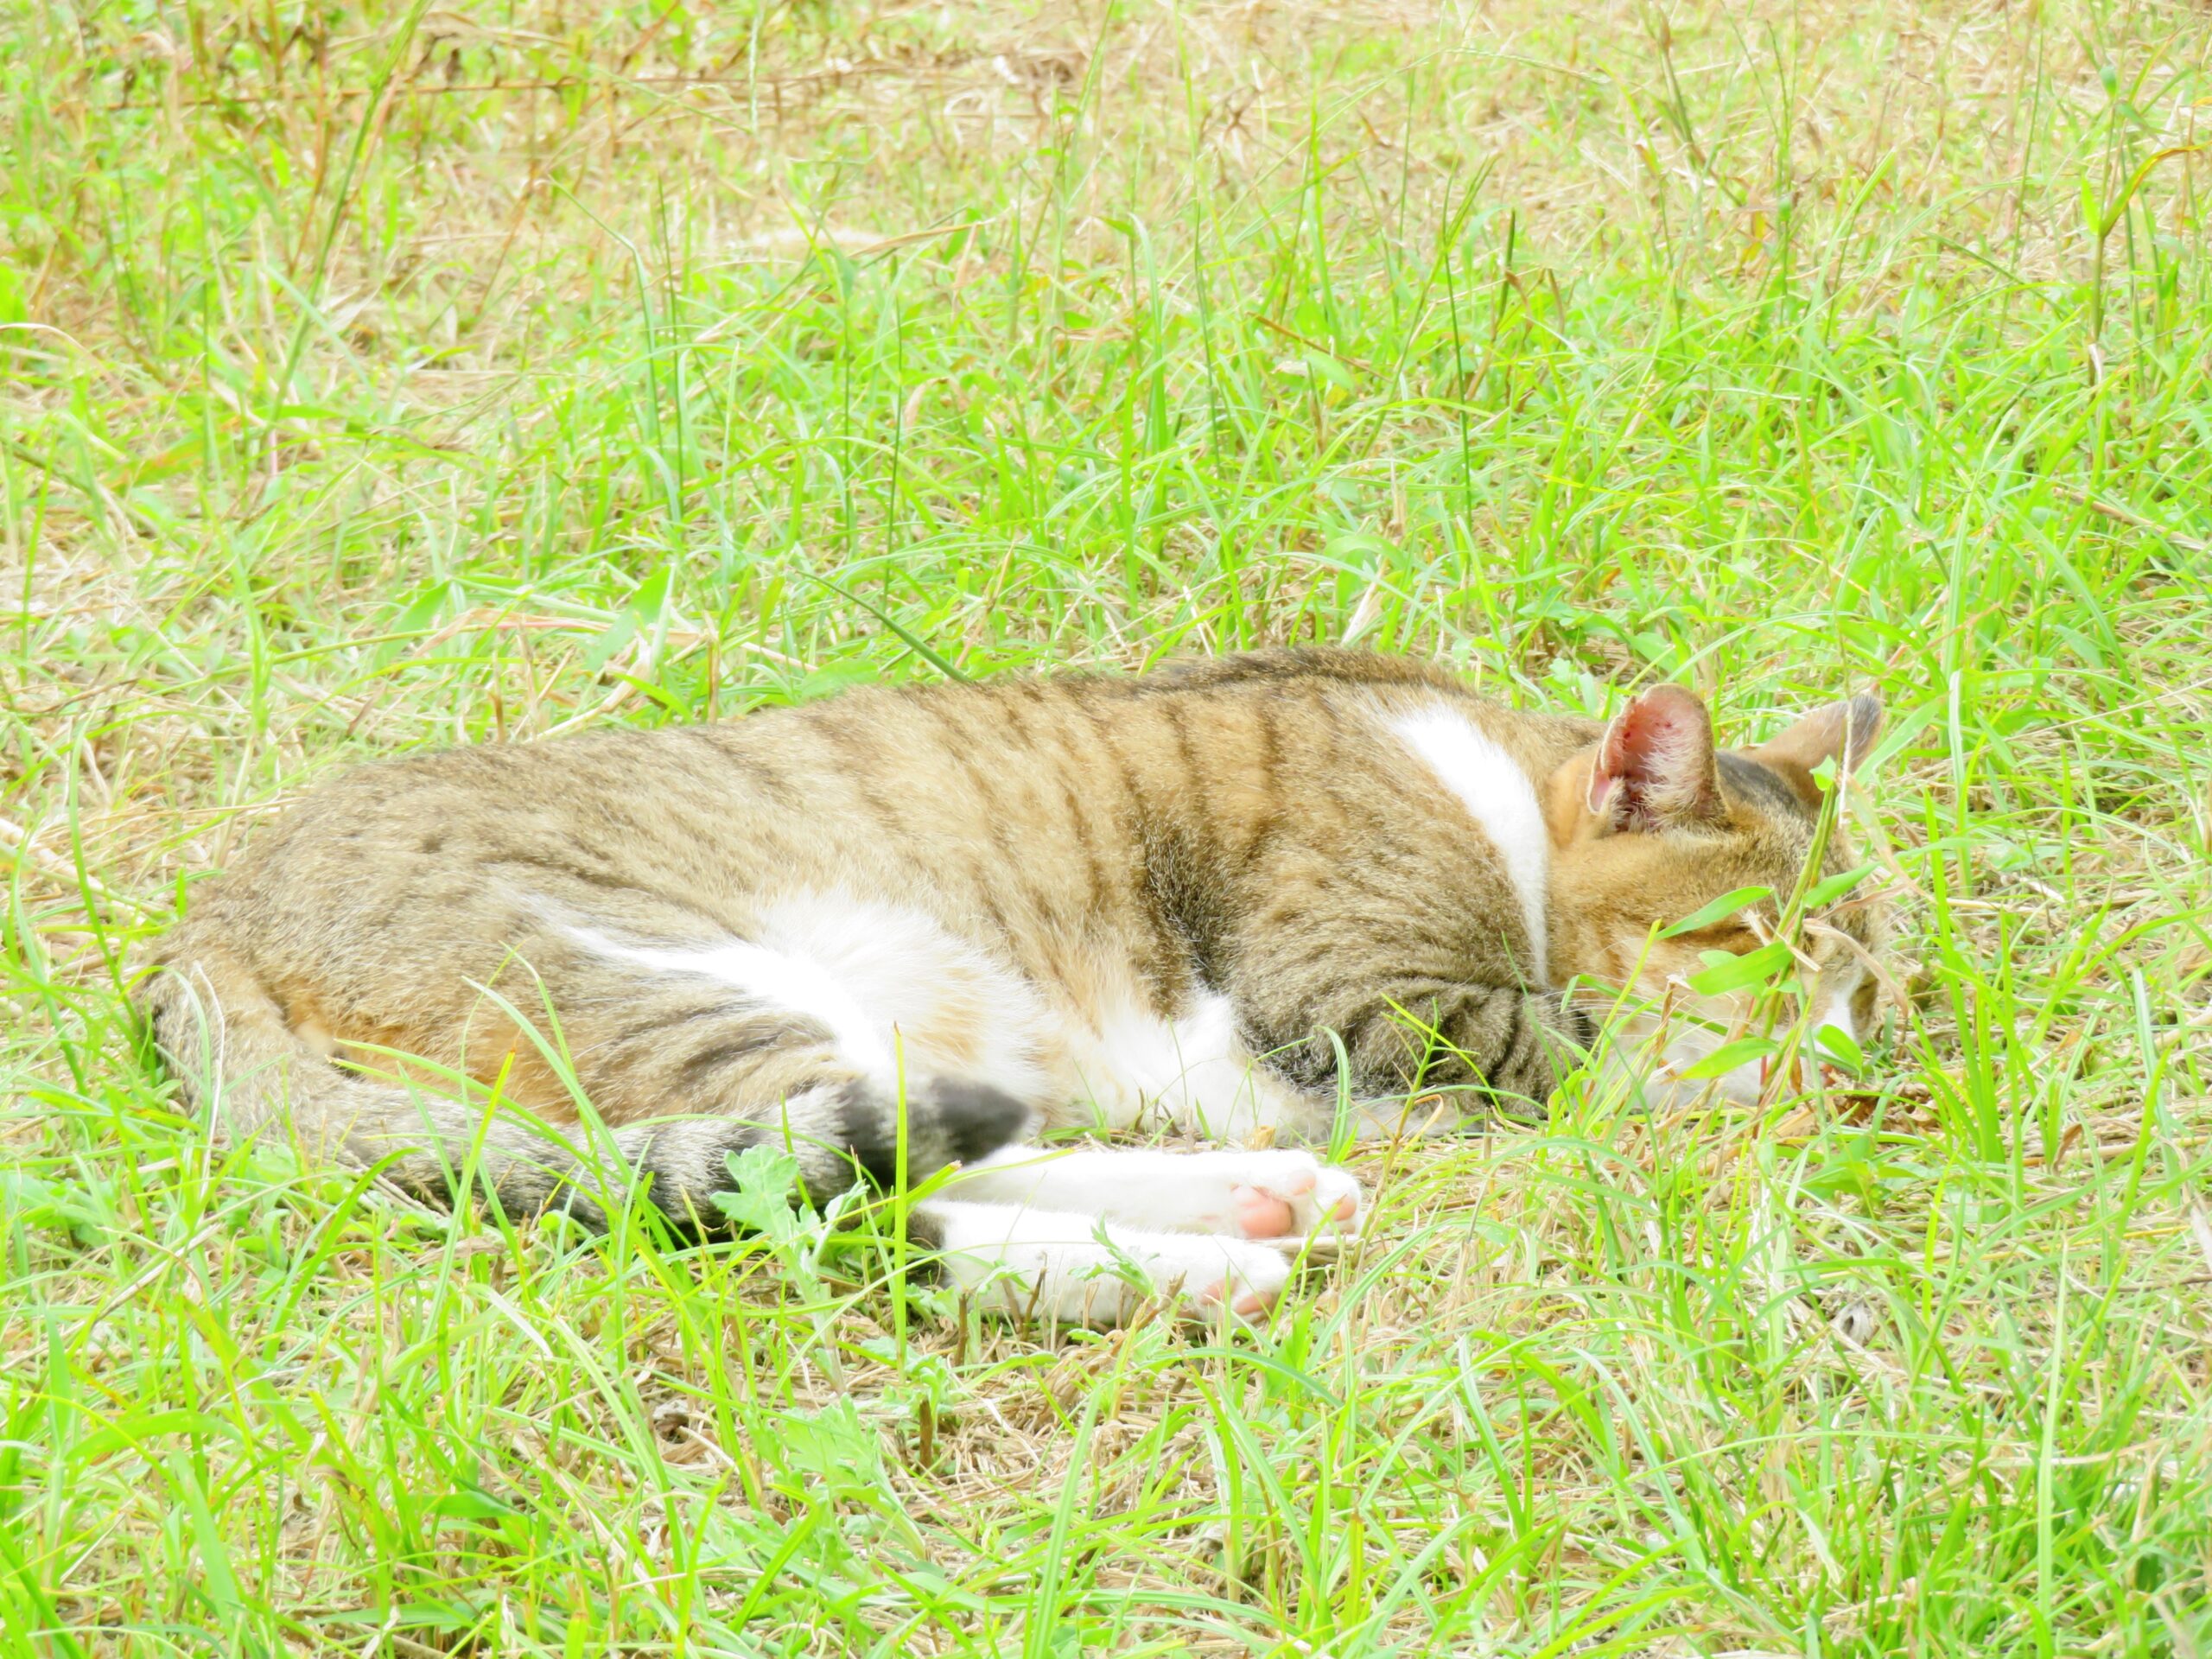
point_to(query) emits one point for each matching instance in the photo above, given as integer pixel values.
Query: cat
(1231, 895)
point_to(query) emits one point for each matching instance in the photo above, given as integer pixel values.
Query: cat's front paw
(1292, 1196)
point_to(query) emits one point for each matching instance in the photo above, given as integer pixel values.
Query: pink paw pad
(1260, 1214)
(1252, 1305)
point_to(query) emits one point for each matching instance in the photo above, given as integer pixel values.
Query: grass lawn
(376, 377)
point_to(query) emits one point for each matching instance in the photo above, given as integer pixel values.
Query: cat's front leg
(1273, 1193)
(1454, 1050)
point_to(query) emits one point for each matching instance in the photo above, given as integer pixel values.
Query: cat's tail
(239, 1062)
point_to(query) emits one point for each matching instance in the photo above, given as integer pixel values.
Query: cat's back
(1063, 783)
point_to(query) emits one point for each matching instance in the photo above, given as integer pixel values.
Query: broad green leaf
(1323, 367)
(1726, 1058)
(1737, 973)
(1828, 891)
(767, 1182)
(601, 651)
(652, 598)
(1719, 911)
(1837, 1044)
(1346, 543)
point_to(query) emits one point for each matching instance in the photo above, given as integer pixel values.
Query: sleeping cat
(1239, 895)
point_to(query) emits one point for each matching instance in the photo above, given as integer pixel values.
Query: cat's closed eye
(1734, 938)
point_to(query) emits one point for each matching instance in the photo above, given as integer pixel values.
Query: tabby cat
(1235, 896)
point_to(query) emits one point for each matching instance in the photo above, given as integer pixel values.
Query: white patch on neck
(1500, 798)
(1838, 987)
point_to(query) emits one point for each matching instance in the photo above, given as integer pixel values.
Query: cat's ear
(1655, 768)
(1842, 732)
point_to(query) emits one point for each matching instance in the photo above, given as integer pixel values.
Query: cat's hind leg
(1058, 1265)
(843, 1028)
(1273, 1194)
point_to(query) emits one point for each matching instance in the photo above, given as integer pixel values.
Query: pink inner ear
(1655, 764)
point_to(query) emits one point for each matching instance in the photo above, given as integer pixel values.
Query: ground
(379, 378)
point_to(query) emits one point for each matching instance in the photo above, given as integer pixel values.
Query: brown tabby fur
(1236, 825)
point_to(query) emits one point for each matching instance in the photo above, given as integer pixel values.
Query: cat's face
(1651, 825)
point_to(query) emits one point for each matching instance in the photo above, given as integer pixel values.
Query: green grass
(378, 379)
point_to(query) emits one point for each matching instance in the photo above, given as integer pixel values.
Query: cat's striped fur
(1230, 891)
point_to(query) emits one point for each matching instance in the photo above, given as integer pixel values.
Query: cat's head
(1653, 824)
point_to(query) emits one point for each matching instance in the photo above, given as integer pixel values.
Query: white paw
(1059, 1265)
(1209, 1273)
(1292, 1195)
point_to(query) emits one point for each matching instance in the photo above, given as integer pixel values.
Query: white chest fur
(1194, 1071)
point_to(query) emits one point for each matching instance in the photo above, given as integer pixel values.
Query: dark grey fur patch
(681, 1165)
(952, 1119)
(1749, 780)
(975, 1119)
(869, 1130)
